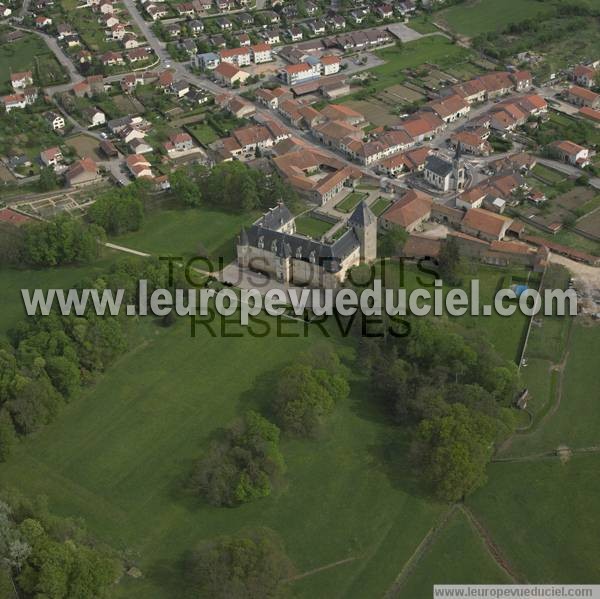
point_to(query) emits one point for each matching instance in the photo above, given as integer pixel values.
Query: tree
(449, 262)
(251, 565)
(8, 435)
(48, 179)
(242, 466)
(454, 450)
(185, 189)
(118, 211)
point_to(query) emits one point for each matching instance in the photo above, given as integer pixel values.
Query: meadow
(482, 16)
(175, 231)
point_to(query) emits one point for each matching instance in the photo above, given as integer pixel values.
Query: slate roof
(439, 166)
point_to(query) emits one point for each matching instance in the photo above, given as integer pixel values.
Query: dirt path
(322, 568)
(415, 558)
(490, 545)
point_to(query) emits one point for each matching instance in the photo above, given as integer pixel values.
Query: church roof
(439, 165)
(362, 216)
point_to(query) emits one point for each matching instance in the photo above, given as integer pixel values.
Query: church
(444, 174)
(272, 246)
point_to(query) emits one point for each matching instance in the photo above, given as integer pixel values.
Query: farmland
(482, 16)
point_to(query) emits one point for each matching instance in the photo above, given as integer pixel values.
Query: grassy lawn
(203, 133)
(549, 174)
(544, 516)
(176, 231)
(576, 423)
(380, 206)
(312, 226)
(120, 455)
(435, 49)
(351, 201)
(457, 556)
(29, 54)
(422, 25)
(482, 16)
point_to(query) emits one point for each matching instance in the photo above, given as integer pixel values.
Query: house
(272, 97)
(21, 80)
(13, 101)
(330, 64)
(72, 41)
(245, 19)
(110, 59)
(244, 39)
(449, 109)
(337, 22)
(297, 73)
(484, 224)
(409, 213)
(189, 46)
(316, 27)
(523, 80)
(207, 61)
(572, 153)
(271, 37)
(224, 24)
(179, 88)
(196, 26)
(471, 143)
(42, 21)
(131, 132)
(423, 125)
(473, 198)
(580, 96)
(130, 41)
(406, 8)
(384, 11)
(585, 76)
(236, 105)
(108, 21)
(156, 12)
(139, 146)
(261, 53)
(51, 156)
(138, 54)
(237, 56)
(590, 114)
(341, 112)
(118, 31)
(63, 30)
(228, 74)
(55, 120)
(138, 166)
(109, 149)
(179, 142)
(82, 172)
(186, 9)
(295, 34)
(5, 11)
(94, 116)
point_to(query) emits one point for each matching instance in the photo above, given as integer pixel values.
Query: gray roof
(362, 216)
(439, 166)
(302, 248)
(276, 217)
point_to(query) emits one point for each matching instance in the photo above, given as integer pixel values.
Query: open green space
(30, 53)
(203, 133)
(576, 421)
(176, 231)
(120, 456)
(351, 201)
(380, 206)
(422, 25)
(312, 226)
(457, 556)
(544, 516)
(548, 174)
(481, 16)
(435, 49)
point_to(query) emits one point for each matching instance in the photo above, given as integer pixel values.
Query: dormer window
(312, 257)
(261, 242)
(299, 253)
(274, 246)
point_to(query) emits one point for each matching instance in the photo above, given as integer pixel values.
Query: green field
(481, 16)
(457, 556)
(435, 49)
(120, 455)
(29, 54)
(548, 174)
(174, 231)
(350, 202)
(312, 226)
(579, 397)
(203, 133)
(544, 516)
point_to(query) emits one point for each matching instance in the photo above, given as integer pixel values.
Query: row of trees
(230, 186)
(46, 556)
